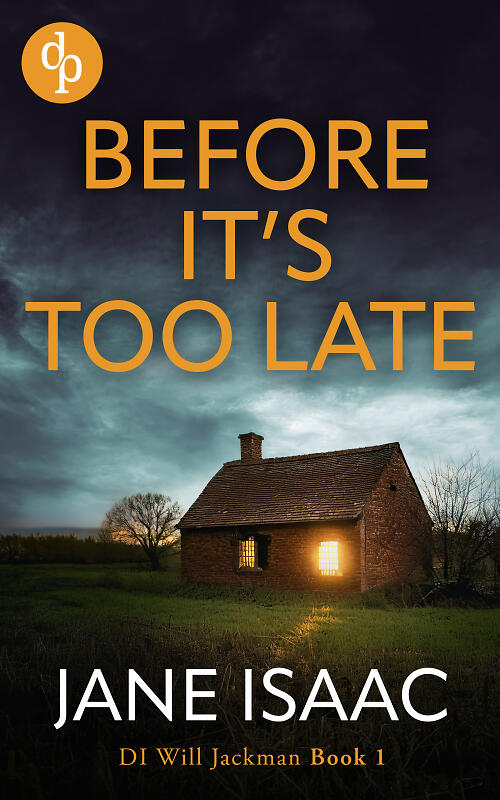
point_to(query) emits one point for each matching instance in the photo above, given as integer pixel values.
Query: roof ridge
(305, 456)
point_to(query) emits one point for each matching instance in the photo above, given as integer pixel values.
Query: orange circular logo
(62, 62)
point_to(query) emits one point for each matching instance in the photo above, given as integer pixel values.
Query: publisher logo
(62, 62)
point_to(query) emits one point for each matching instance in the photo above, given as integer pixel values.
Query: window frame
(331, 573)
(245, 568)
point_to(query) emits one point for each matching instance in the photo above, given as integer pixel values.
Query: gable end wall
(396, 540)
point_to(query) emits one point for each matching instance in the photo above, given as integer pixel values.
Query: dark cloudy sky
(75, 440)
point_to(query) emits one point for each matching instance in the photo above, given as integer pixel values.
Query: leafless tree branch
(463, 500)
(144, 519)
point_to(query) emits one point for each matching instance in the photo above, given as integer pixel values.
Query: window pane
(247, 552)
(329, 558)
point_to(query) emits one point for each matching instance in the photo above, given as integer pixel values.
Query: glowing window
(247, 552)
(329, 558)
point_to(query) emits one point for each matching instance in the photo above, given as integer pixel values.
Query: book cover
(249, 386)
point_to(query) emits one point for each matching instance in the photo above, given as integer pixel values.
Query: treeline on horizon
(65, 549)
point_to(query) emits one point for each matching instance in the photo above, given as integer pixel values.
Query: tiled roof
(319, 486)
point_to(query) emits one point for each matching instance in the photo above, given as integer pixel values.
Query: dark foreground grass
(121, 617)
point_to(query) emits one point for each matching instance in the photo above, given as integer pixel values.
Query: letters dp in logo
(62, 62)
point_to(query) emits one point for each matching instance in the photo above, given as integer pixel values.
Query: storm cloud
(75, 440)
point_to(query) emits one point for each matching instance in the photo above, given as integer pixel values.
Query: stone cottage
(341, 520)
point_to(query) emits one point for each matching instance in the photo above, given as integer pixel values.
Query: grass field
(121, 616)
(66, 595)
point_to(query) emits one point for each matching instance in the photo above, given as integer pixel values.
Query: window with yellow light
(329, 558)
(247, 553)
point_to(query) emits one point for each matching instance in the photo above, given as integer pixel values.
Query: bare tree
(464, 504)
(105, 536)
(145, 519)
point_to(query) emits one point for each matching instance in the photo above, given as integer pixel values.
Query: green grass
(71, 594)
(122, 616)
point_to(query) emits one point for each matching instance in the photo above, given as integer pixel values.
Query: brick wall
(390, 543)
(395, 533)
(210, 555)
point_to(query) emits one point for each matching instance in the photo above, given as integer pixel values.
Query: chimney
(251, 447)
